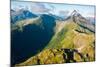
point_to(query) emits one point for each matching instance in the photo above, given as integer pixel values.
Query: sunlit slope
(53, 56)
(20, 24)
(70, 43)
(68, 36)
(73, 41)
(72, 36)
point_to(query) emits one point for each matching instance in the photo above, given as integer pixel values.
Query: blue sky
(58, 9)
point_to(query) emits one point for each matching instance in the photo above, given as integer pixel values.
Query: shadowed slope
(30, 37)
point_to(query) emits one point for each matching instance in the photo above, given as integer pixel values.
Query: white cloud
(39, 8)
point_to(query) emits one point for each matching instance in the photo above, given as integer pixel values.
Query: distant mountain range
(32, 34)
(17, 15)
(21, 15)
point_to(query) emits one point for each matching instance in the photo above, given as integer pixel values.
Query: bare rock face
(83, 22)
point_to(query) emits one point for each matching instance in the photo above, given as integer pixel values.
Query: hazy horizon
(56, 9)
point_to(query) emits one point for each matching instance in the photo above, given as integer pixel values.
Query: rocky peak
(82, 21)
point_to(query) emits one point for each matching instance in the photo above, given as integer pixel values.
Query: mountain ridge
(74, 33)
(21, 15)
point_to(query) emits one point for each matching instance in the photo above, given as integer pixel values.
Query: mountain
(21, 24)
(46, 40)
(71, 27)
(80, 20)
(53, 56)
(30, 36)
(21, 15)
(72, 35)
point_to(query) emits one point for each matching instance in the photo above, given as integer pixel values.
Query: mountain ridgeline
(77, 18)
(21, 15)
(32, 35)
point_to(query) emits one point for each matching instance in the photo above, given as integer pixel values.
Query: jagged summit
(76, 17)
(75, 13)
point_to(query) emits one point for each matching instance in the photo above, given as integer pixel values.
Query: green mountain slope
(73, 41)
(71, 37)
(20, 24)
(65, 38)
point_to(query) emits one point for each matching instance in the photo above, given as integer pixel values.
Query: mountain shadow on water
(31, 40)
